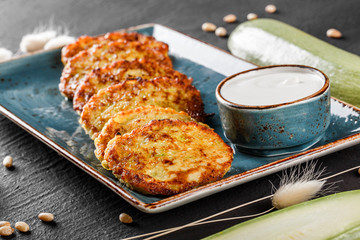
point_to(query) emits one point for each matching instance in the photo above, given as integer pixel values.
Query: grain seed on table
(6, 231)
(22, 226)
(46, 217)
(251, 16)
(8, 162)
(230, 18)
(333, 33)
(270, 8)
(4, 223)
(221, 32)
(208, 27)
(125, 218)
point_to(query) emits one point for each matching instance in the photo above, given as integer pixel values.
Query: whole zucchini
(336, 216)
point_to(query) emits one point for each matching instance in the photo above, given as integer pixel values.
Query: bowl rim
(236, 105)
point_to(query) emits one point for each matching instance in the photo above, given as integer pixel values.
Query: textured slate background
(85, 209)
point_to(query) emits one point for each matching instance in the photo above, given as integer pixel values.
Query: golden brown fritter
(161, 91)
(85, 42)
(118, 72)
(102, 55)
(126, 121)
(167, 157)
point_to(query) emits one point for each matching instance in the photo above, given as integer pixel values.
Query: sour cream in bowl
(276, 109)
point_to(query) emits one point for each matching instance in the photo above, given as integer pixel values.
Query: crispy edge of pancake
(126, 121)
(131, 162)
(104, 54)
(85, 42)
(108, 101)
(118, 72)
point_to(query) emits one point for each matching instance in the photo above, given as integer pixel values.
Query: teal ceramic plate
(29, 96)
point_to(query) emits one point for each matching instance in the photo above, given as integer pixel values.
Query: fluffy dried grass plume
(5, 54)
(300, 185)
(45, 36)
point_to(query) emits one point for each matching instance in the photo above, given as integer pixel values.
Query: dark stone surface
(85, 209)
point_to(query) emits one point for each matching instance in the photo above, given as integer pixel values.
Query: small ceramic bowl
(276, 129)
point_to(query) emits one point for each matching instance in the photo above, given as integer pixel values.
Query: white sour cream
(272, 86)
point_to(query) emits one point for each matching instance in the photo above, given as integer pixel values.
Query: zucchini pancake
(161, 91)
(167, 157)
(102, 55)
(85, 42)
(126, 121)
(118, 72)
(143, 115)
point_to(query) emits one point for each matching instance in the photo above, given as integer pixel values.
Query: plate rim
(197, 193)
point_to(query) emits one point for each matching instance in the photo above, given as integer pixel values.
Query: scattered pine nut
(6, 231)
(230, 18)
(251, 16)
(8, 162)
(333, 33)
(271, 8)
(221, 32)
(208, 27)
(125, 218)
(4, 223)
(22, 226)
(46, 217)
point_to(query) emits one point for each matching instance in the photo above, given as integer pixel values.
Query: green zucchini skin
(272, 42)
(336, 216)
(352, 234)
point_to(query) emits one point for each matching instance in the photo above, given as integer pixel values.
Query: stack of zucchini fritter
(144, 116)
